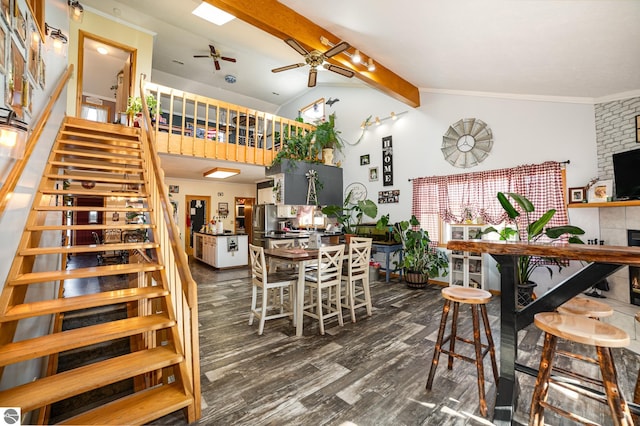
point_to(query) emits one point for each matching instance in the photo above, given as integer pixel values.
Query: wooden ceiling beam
(282, 22)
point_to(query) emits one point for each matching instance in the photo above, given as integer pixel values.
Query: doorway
(106, 77)
(196, 215)
(244, 216)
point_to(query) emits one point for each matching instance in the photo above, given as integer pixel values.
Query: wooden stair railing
(108, 162)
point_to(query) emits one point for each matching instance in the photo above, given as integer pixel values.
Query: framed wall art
(33, 54)
(223, 209)
(17, 79)
(364, 160)
(174, 189)
(3, 48)
(373, 174)
(20, 24)
(577, 195)
(600, 191)
(41, 73)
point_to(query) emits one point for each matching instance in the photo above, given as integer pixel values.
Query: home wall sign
(467, 142)
(387, 161)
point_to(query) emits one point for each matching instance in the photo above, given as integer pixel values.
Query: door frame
(133, 54)
(187, 217)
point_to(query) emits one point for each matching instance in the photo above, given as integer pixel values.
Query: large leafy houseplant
(535, 231)
(418, 257)
(350, 215)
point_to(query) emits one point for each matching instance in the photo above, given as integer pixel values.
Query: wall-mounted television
(626, 171)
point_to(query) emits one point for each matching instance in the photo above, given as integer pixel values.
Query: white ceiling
(565, 48)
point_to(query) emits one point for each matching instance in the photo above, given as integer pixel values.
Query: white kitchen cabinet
(222, 251)
(466, 268)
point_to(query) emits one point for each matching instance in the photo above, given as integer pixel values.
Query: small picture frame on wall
(223, 209)
(20, 25)
(577, 195)
(174, 189)
(373, 174)
(364, 160)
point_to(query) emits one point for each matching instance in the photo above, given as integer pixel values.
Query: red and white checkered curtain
(454, 197)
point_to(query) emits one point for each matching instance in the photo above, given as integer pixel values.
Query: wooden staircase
(100, 161)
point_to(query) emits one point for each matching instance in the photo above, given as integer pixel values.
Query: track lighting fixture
(356, 57)
(76, 11)
(393, 116)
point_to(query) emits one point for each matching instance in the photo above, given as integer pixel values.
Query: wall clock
(358, 192)
(467, 142)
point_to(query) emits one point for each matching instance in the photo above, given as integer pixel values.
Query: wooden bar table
(600, 262)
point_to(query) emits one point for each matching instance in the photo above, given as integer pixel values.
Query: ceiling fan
(215, 55)
(316, 58)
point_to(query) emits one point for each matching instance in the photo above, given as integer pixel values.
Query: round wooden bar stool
(586, 307)
(588, 331)
(476, 298)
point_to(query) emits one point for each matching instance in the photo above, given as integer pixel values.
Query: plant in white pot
(420, 261)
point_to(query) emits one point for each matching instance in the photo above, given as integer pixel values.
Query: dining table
(301, 257)
(598, 262)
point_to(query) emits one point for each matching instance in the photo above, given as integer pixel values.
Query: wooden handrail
(18, 167)
(187, 284)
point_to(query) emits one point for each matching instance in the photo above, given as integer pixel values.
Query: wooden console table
(601, 261)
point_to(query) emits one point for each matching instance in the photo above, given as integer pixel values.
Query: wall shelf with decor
(626, 203)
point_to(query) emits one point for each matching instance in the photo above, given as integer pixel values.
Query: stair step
(90, 227)
(60, 386)
(95, 178)
(138, 408)
(37, 347)
(94, 127)
(122, 159)
(93, 248)
(48, 208)
(117, 143)
(78, 163)
(92, 271)
(34, 309)
(92, 193)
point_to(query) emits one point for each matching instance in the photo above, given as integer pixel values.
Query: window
(456, 198)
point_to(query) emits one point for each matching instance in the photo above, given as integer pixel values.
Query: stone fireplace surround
(614, 223)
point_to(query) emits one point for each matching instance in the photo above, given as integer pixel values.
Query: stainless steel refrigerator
(265, 220)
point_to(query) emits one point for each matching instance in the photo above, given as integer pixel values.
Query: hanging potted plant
(420, 261)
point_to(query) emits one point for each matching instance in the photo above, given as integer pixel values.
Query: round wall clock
(358, 192)
(467, 142)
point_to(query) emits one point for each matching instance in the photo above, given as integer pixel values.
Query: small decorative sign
(174, 189)
(388, 197)
(387, 161)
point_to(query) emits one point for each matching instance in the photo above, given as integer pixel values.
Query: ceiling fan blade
(296, 46)
(313, 76)
(339, 70)
(340, 47)
(213, 50)
(201, 56)
(288, 67)
(225, 58)
(217, 64)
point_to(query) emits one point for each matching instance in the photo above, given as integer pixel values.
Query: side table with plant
(420, 261)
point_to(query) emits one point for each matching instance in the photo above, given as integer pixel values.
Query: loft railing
(198, 126)
(176, 272)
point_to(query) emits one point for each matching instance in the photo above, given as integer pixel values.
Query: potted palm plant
(350, 215)
(420, 261)
(534, 231)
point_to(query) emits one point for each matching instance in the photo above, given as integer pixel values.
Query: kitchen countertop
(226, 234)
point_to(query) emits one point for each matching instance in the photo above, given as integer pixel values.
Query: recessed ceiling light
(212, 14)
(221, 173)
(102, 50)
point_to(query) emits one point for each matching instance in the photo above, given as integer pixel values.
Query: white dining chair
(268, 283)
(326, 275)
(276, 265)
(355, 275)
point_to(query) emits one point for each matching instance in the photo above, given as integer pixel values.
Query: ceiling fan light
(371, 66)
(212, 14)
(221, 173)
(356, 58)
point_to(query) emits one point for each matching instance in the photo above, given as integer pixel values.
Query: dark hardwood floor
(372, 372)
